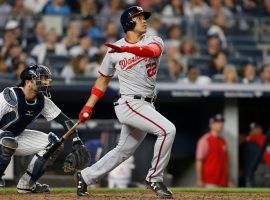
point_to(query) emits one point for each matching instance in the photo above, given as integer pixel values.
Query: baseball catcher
(20, 106)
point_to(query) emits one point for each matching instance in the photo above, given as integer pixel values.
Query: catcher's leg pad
(8, 146)
(38, 164)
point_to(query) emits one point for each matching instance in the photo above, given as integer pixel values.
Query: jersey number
(151, 69)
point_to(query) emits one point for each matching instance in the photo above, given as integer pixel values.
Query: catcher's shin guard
(38, 165)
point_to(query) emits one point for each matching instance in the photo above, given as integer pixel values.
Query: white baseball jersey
(49, 111)
(137, 75)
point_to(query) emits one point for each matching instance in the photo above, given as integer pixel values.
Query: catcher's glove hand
(78, 159)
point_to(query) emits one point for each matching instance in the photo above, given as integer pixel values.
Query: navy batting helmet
(127, 18)
(41, 74)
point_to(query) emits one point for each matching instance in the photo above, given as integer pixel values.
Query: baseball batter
(20, 106)
(135, 59)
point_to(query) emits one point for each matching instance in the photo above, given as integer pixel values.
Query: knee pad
(8, 146)
(52, 138)
(8, 143)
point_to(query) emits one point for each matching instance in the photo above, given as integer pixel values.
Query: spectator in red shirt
(256, 135)
(212, 162)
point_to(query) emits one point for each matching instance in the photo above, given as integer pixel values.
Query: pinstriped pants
(138, 118)
(30, 142)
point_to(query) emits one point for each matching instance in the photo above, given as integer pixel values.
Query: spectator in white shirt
(35, 6)
(79, 66)
(172, 12)
(51, 46)
(217, 27)
(85, 47)
(194, 77)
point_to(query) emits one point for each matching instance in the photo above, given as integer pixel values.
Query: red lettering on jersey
(131, 62)
(151, 69)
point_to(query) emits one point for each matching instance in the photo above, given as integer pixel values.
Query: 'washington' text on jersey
(136, 74)
(131, 62)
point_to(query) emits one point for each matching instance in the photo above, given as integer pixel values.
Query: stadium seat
(239, 61)
(241, 40)
(249, 51)
(199, 61)
(58, 79)
(83, 79)
(199, 30)
(163, 75)
(56, 63)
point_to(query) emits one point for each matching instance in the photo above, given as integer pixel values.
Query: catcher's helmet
(127, 18)
(41, 74)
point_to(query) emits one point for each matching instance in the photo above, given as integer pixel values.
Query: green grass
(102, 190)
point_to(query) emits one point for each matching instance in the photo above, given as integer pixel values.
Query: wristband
(99, 93)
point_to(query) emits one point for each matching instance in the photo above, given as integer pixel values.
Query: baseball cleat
(160, 189)
(81, 185)
(36, 188)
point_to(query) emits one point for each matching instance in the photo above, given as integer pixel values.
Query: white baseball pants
(138, 118)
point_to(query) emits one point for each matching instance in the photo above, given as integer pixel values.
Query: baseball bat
(54, 147)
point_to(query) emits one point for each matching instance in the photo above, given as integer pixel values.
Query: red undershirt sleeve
(151, 50)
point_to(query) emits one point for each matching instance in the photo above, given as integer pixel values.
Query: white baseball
(85, 115)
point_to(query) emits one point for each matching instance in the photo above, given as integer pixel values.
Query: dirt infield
(137, 195)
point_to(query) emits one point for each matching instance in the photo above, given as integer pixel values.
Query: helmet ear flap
(130, 25)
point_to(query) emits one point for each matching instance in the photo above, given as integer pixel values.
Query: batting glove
(115, 48)
(85, 113)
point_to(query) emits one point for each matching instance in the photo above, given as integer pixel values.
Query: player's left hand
(85, 113)
(78, 159)
(114, 48)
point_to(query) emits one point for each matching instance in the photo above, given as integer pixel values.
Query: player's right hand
(114, 48)
(85, 113)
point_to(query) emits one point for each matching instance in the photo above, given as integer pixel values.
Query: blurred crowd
(222, 41)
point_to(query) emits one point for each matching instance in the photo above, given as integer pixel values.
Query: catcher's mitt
(78, 159)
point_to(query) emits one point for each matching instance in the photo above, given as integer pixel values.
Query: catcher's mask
(41, 75)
